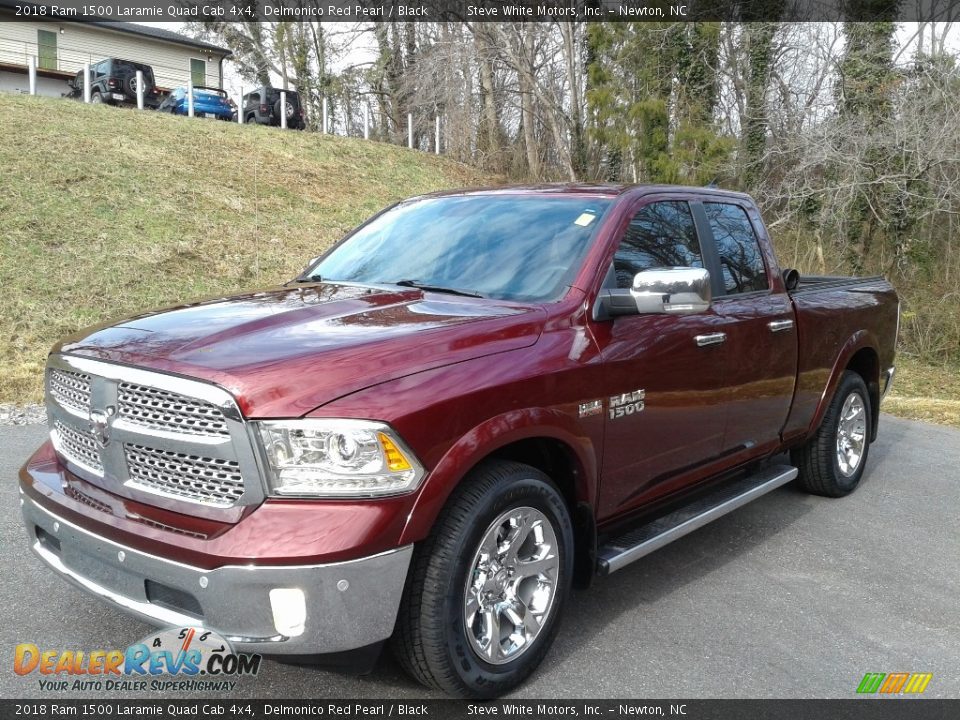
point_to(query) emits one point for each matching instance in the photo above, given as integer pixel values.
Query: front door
(46, 50)
(664, 378)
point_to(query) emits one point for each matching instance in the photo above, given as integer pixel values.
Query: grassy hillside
(108, 211)
(105, 212)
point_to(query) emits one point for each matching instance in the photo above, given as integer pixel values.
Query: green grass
(925, 392)
(107, 211)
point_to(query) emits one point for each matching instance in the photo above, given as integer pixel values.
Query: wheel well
(556, 459)
(867, 365)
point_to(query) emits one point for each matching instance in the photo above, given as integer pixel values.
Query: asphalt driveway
(791, 596)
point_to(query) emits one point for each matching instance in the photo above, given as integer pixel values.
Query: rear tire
(96, 98)
(832, 462)
(486, 589)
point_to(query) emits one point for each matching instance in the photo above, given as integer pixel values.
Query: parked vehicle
(263, 107)
(114, 82)
(473, 402)
(208, 102)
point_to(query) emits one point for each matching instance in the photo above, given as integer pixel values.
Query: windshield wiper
(307, 279)
(436, 288)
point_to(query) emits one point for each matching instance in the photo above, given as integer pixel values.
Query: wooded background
(847, 134)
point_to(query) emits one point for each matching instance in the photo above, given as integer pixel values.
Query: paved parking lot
(791, 596)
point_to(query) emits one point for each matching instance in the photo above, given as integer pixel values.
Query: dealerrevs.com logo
(178, 659)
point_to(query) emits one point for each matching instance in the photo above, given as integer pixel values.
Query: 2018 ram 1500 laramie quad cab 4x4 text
(473, 402)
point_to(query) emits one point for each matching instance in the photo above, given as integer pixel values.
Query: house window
(198, 72)
(46, 50)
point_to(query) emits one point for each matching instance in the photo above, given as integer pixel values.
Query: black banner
(480, 10)
(868, 709)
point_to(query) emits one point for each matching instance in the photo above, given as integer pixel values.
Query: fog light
(289, 607)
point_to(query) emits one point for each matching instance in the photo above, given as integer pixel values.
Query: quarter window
(740, 260)
(661, 234)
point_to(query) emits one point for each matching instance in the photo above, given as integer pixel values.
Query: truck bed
(810, 283)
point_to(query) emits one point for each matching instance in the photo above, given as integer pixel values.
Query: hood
(285, 351)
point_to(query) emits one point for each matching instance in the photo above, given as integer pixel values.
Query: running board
(643, 540)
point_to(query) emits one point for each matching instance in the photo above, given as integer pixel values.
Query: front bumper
(348, 605)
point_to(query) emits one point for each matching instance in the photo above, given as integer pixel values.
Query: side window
(738, 248)
(661, 234)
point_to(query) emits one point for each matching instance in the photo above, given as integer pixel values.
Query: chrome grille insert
(170, 441)
(78, 447)
(192, 477)
(70, 389)
(170, 412)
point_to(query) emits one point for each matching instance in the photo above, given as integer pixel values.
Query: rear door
(760, 344)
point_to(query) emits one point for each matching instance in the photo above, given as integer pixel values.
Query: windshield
(510, 247)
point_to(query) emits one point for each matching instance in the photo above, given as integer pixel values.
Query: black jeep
(262, 106)
(114, 82)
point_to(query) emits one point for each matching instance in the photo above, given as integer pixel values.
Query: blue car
(207, 102)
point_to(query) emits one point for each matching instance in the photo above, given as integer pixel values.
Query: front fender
(484, 440)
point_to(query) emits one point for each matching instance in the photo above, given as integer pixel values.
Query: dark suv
(262, 106)
(114, 82)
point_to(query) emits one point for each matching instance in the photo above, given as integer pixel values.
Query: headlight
(336, 458)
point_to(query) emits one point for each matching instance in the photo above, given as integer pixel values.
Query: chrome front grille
(71, 389)
(165, 440)
(162, 410)
(194, 477)
(78, 447)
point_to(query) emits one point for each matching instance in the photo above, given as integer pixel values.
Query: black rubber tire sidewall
(817, 459)
(476, 673)
(516, 486)
(851, 383)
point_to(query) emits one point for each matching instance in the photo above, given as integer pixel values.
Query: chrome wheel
(851, 434)
(511, 585)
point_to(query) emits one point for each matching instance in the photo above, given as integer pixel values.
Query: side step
(643, 540)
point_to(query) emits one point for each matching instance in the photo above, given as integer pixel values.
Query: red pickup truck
(475, 401)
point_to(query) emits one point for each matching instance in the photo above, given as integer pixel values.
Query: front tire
(832, 462)
(487, 587)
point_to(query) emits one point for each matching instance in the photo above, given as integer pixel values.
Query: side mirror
(658, 291)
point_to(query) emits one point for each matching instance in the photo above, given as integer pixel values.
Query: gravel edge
(11, 414)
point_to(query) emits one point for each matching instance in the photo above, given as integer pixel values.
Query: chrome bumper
(348, 605)
(888, 380)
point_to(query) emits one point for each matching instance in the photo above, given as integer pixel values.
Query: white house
(62, 48)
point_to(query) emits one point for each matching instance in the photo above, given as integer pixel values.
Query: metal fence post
(283, 109)
(410, 130)
(366, 122)
(190, 99)
(139, 89)
(32, 67)
(326, 122)
(437, 141)
(86, 82)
